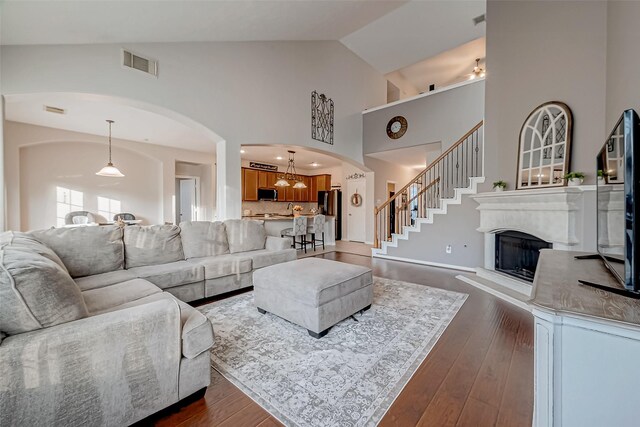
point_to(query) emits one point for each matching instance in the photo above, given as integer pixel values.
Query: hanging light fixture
(110, 170)
(290, 175)
(477, 71)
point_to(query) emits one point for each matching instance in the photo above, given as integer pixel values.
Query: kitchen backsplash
(263, 207)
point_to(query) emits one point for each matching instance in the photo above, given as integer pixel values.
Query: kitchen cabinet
(250, 185)
(302, 194)
(263, 178)
(313, 188)
(272, 177)
(253, 179)
(323, 182)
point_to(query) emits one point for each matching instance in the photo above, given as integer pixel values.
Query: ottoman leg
(365, 309)
(318, 335)
(261, 311)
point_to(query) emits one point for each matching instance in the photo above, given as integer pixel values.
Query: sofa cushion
(171, 274)
(264, 257)
(105, 279)
(203, 238)
(223, 265)
(35, 290)
(245, 235)
(152, 244)
(312, 281)
(197, 332)
(102, 299)
(86, 251)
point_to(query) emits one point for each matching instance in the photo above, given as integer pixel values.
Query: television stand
(590, 256)
(586, 345)
(624, 292)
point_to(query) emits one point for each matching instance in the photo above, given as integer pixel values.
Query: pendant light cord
(110, 123)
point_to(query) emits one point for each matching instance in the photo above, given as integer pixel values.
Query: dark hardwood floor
(480, 373)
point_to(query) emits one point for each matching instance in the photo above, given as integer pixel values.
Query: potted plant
(297, 210)
(600, 175)
(499, 185)
(574, 178)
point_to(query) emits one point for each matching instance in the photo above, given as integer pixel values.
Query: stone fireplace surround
(562, 216)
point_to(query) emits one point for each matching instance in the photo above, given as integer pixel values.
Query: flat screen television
(618, 217)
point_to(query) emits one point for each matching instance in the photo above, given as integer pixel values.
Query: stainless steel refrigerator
(330, 204)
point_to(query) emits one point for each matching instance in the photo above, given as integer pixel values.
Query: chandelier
(110, 170)
(290, 175)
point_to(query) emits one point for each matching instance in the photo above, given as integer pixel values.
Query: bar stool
(317, 227)
(299, 229)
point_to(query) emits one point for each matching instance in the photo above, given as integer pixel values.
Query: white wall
(73, 165)
(38, 158)
(206, 208)
(246, 92)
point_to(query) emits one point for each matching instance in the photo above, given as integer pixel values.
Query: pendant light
(110, 170)
(477, 71)
(290, 175)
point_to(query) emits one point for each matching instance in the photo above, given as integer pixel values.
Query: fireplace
(517, 254)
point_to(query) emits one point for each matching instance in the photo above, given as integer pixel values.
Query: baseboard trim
(429, 263)
(520, 304)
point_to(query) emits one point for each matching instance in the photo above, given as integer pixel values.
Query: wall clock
(396, 127)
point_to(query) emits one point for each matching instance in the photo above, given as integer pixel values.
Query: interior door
(188, 200)
(356, 214)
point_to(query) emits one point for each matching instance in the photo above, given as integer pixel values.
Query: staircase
(456, 172)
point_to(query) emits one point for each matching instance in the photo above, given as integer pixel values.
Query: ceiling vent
(54, 110)
(479, 19)
(137, 62)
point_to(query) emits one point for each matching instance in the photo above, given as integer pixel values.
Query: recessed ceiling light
(279, 158)
(314, 164)
(242, 151)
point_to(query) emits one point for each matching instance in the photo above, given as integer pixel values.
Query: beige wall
(40, 158)
(539, 52)
(436, 117)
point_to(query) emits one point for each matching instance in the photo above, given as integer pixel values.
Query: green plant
(500, 184)
(600, 173)
(576, 175)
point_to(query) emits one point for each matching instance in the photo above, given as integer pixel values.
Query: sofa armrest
(115, 368)
(277, 243)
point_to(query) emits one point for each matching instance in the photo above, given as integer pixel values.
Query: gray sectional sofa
(94, 325)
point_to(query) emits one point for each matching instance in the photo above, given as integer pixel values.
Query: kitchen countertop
(277, 217)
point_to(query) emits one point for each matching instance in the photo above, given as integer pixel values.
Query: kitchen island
(274, 224)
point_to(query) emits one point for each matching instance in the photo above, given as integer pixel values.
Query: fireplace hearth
(517, 254)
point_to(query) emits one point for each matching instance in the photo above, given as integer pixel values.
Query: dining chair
(124, 216)
(317, 228)
(299, 229)
(79, 217)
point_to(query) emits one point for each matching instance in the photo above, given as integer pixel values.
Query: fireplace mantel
(555, 214)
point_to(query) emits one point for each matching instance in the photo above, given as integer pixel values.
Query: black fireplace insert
(517, 254)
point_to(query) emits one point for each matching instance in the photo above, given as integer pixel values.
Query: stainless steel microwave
(267, 194)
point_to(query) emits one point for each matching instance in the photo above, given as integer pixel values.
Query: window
(107, 208)
(67, 201)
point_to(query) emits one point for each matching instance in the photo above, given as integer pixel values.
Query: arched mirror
(545, 142)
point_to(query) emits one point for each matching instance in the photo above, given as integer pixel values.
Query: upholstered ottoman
(312, 292)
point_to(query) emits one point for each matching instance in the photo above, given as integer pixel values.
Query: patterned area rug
(348, 378)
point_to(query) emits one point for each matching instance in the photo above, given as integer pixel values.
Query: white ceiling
(303, 157)
(447, 68)
(87, 114)
(415, 157)
(415, 31)
(100, 21)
